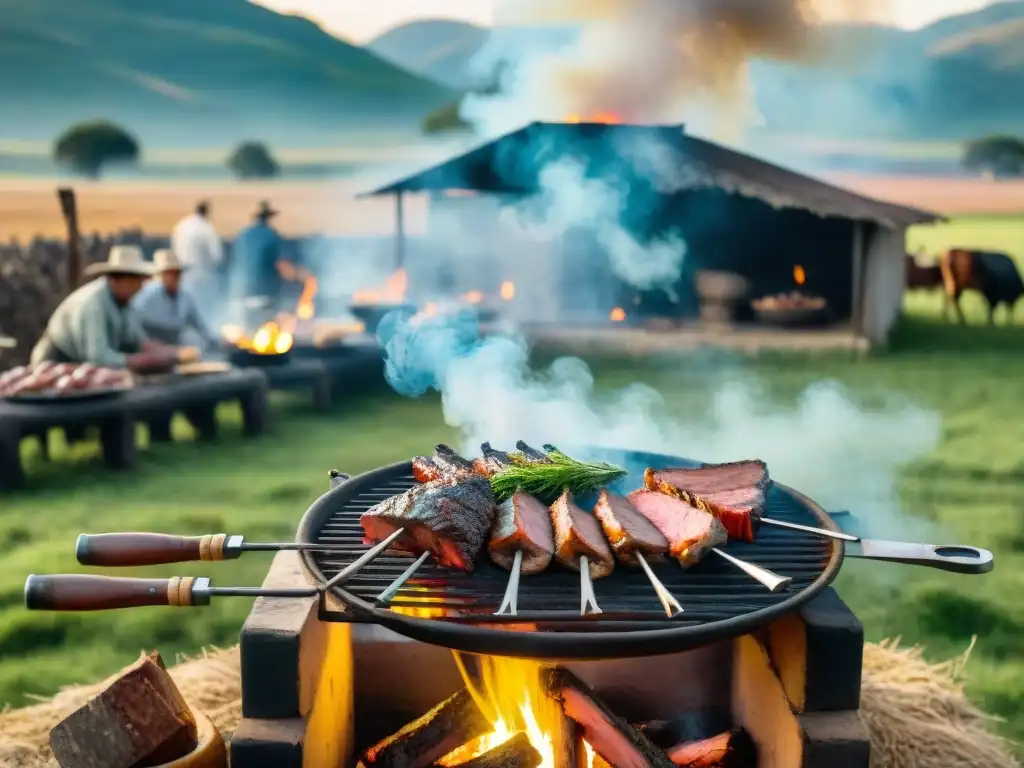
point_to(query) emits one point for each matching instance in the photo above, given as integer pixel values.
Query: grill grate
(714, 591)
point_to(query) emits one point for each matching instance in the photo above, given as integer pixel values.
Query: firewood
(140, 719)
(611, 737)
(452, 723)
(517, 752)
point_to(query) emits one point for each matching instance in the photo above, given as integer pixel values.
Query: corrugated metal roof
(674, 161)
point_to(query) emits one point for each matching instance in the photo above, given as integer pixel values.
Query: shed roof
(513, 163)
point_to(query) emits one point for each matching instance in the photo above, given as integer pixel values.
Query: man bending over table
(97, 325)
(166, 310)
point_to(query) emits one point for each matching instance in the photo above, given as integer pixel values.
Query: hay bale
(916, 712)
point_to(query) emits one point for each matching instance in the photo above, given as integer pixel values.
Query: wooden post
(856, 310)
(69, 209)
(399, 230)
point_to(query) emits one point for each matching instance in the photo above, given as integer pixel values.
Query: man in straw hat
(166, 309)
(96, 324)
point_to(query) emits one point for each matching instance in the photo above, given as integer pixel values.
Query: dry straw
(916, 712)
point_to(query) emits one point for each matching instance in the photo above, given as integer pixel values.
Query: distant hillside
(960, 77)
(193, 73)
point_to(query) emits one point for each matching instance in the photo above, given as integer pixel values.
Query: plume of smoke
(652, 60)
(825, 445)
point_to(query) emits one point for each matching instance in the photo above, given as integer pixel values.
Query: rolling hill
(960, 77)
(195, 73)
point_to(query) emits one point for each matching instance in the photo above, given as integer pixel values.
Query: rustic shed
(734, 212)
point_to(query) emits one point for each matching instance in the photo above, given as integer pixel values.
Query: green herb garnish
(548, 479)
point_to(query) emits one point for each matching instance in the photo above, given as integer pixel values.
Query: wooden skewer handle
(112, 550)
(75, 592)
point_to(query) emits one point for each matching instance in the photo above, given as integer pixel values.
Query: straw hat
(166, 260)
(122, 260)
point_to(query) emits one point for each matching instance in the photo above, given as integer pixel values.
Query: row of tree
(87, 148)
(997, 156)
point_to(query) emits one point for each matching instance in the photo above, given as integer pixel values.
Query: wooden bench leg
(160, 429)
(204, 420)
(117, 436)
(12, 474)
(254, 411)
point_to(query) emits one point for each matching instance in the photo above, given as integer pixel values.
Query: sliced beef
(522, 524)
(691, 532)
(577, 534)
(445, 463)
(424, 469)
(450, 519)
(735, 493)
(628, 531)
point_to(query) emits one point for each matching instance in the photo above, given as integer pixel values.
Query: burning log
(517, 752)
(424, 741)
(611, 737)
(139, 719)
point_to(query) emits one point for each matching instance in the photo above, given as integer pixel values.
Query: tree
(252, 160)
(87, 147)
(1001, 156)
(445, 119)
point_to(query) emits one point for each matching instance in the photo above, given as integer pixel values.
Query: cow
(993, 274)
(922, 276)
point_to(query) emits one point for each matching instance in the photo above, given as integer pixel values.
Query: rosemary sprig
(548, 479)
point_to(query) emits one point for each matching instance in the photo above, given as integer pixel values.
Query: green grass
(970, 488)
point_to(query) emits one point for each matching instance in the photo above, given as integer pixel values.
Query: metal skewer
(587, 596)
(508, 602)
(668, 601)
(808, 529)
(769, 579)
(388, 594)
(363, 560)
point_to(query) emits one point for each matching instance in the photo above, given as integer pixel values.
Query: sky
(375, 16)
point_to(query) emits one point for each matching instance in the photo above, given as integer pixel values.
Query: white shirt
(196, 244)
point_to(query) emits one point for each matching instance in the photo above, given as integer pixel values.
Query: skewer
(667, 600)
(808, 529)
(587, 596)
(769, 579)
(363, 560)
(388, 594)
(508, 602)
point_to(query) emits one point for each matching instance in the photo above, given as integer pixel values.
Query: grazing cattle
(994, 275)
(922, 276)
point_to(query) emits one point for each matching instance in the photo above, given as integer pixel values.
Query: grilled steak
(522, 524)
(492, 461)
(734, 492)
(531, 454)
(445, 463)
(451, 519)
(690, 531)
(578, 533)
(629, 531)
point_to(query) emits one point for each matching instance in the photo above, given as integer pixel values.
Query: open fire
(607, 118)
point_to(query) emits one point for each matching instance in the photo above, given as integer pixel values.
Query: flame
(392, 292)
(473, 297)
(511, 695)
(269, 339)
(608, 118)
(305, 309)
(799, 276)
(508, 290)
(617, 315)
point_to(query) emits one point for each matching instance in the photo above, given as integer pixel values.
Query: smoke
(841, 455)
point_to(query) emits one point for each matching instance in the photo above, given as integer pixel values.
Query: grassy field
(971, 488)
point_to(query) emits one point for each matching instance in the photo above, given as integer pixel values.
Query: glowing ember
(617, 315)
(511, 696)
(608, 118)
(799, 276)
(305, 309)
(473, 297)
(508, 291)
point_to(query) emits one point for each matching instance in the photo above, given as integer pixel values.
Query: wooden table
(339, 372)
(155, 401)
